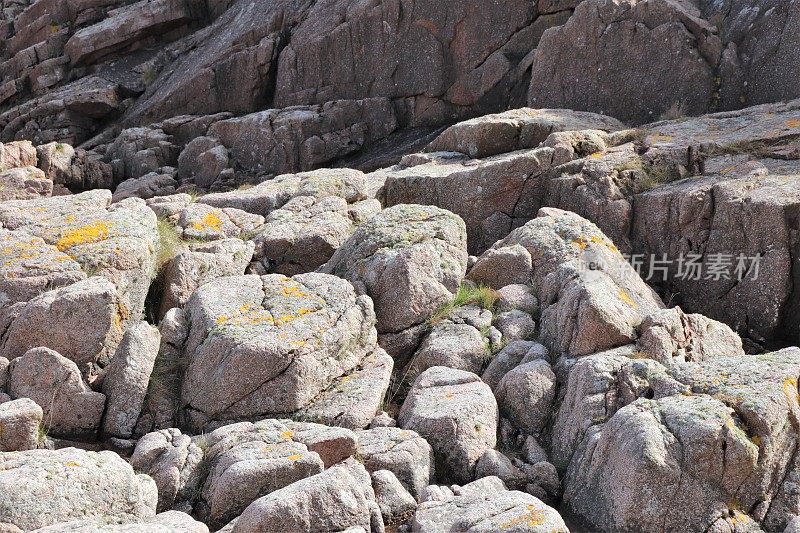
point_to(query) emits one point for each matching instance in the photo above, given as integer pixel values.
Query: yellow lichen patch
(294, 457)
(658, 138)
(597, 155)
(209, 222)
(287, 435)
(293, 291)
(790, 389)
(71, 464)
(758, 441)
(626, 298)
(91, 233)
(532, 518)
(580, 243)
(739, 518)
(604, 242)
(448, 396)
(793, 123)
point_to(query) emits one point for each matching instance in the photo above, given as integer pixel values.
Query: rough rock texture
(19, 425)
(486, 505)
(29, 266)
(403, 452)
(200, 264)
(672, 335)
(71, 409)
(585, 308)
(409, 253)
(516, 129)
(302, 235)
(118, 242)
(273, 342)
(393, 499)
(128, 376)
(166, 522)
(88, 485)
(24, 183)
(82, 321)
(723, 430)
(295, 139)
(457, 414)
(458, 341)
(686, 59)
(335, 500)
(525, 396)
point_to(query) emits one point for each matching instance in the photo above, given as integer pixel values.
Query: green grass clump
(467, 294)
(170, 243)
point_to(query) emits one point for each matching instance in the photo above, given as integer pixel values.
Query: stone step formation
(395, 266)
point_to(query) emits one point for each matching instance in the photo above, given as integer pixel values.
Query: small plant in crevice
(467, 294)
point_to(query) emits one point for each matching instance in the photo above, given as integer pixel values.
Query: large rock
(353, 400)
(516, 129)
(127, 378)
(295, 139)
(30, 266)
(457, 414)
(722, 429)
(273, 194)
(71, 409)
(174, 461)
(676, 53)
(20, 421)
(525, 396)
(303, 234)
(200, 264)
(402, 452)
(591, 298)
(45, 487)
(17, 154)
(24, 183)
(483, 506)
(166, 522)
(335, 500)
(118, 241)
(272, 342)
(82, 321)
(410, 254)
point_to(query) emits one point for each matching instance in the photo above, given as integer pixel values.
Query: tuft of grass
(170, 243)
(633, 164)
(467, 294)
(41, 434)
(655, 176)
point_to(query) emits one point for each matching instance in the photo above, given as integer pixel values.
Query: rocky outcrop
(416, 254)
(457, 414)
(313, 326)
(89, 484)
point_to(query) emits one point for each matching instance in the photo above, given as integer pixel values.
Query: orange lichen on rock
(88, 234)
(532, 518)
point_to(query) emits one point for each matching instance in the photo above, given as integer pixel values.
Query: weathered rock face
(295, 139)
(457, 414)
(118, 242)
(435, 61)
(25, 183)
(89, 485)
(71, 409)
(335, 500)
(20, 421)
(83, 322)
(683, 62)
(30, 266)
(403, 452)
(486, 505)
(408, 253)
(518, 129)
(128, 376)
(591, 298)
(305, 232)
(273, 342)
(721, 428)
